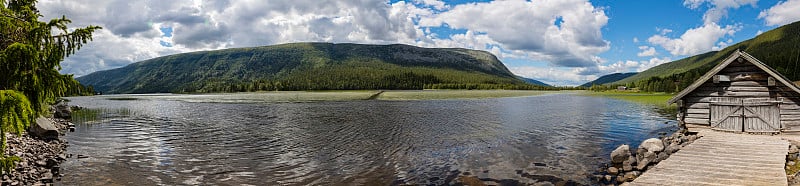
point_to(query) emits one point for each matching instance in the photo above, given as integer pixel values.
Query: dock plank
(720, 158)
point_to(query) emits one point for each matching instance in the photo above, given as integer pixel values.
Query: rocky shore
(793, 163)
(41, 150)
(626, 165)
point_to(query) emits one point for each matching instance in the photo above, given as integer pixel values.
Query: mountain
(609, 78)
(779, 48)
(533, 81)
(309, 66)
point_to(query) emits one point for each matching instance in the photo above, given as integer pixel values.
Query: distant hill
(609, 78)
(779, 48)
(310, 66)
(533, 81)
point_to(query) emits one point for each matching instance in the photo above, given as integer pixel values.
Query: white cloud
(695, 40)
(555, 76)
(635, 39)
(784, 12)
(646, 51)
(759, 32)
(437, 4)
(717, 9)
(529, 28)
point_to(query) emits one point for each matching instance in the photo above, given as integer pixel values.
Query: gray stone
(790, 163)
(672, 148)
(630, 176)
(627, 165)
(692, 138)
(652, 145)
(791, 157)
(44, 128)
(613, 171)
(661, 157)
(793, 149)
(620, 154)
(621, 179)
(647, 158)
(609, 178)
(63, 110)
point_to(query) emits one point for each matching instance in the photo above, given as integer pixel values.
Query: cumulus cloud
(646, 51)
(529, 28)
(695, 40)
(784, 12)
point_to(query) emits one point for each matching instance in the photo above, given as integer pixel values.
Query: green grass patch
(657, 99)
(456, 94)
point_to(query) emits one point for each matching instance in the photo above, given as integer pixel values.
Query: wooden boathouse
(740, 94)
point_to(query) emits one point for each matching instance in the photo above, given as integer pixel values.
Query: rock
(791, 157)
(789, 164)
(44, 128)
(544, 183)
(62, 110)
(609, 178)
(692, 138)
(647, 158)
(793, 149)
(630, 176)
(672, 148)
(613, 171)
(627, 165)
(621, 179)
(652, 145)
(620, 154)
(661, 157)
(47, 177)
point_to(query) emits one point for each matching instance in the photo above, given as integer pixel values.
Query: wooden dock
(720, 158)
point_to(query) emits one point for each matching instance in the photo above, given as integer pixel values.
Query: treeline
(670, 84)
(347, 81)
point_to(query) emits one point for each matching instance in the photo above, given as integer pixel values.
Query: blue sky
(561, 42)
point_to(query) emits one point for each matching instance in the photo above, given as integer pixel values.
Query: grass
(657, 99)
(456, 94)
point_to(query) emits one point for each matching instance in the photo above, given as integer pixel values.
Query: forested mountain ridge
(779, 48)
(609, 78)
(310, 66)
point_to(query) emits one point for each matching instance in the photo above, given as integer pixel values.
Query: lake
(175, 139)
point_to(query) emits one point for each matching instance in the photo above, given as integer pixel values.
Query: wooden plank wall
(747, 81)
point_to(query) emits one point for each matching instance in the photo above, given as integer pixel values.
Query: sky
(559, 42)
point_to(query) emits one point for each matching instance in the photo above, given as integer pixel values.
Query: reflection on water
(159, 141)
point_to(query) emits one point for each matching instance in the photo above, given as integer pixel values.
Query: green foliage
(30, 57)
(15, 116)
(310, 66)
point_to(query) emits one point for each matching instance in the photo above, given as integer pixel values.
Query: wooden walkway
(723, 159)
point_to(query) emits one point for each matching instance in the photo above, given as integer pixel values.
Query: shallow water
(155, 140)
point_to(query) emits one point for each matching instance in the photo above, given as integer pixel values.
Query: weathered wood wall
(747, 81)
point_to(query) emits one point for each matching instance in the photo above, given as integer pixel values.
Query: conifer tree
(31, 52)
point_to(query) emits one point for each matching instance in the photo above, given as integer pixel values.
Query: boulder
(672, 148)
(609, 178)
(647, 158)
(44, 128)
(627, 165)
(661, 157)
(630, 176)
(63, 110)
(692, 138)
(620, 154)
(613, 171)
(652, 145)
(793, 149)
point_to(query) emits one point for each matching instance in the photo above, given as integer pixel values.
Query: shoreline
(40, 158)
(628, 163)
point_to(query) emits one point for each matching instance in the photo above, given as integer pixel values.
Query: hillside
(609, 78)
(310, 66)
(533, 81)
(778, 48)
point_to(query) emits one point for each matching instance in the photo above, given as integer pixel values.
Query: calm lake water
(158, 140)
